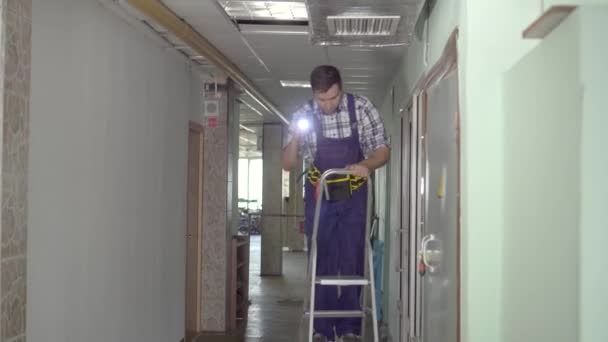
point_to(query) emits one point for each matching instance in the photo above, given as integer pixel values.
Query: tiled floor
(275, 312)
(276, 302)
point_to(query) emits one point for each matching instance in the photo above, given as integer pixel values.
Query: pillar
(15, 60)
(272, 201)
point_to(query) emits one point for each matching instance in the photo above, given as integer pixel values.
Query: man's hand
(359, 170)
(377, 159)
(296, 133)
(289, 157)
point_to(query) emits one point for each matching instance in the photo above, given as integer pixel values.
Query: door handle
(425, 243)
(421, 252)
(429, 259)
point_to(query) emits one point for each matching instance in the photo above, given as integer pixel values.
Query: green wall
(542, 131)
(594, 184)
(490, 44)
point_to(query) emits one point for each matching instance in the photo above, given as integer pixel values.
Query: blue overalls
(341, 233)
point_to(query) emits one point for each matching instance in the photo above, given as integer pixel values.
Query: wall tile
(215, 224)
(214, 315)
(15, 54)
(13, 298)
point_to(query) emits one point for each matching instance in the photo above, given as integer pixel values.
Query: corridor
(276, 302)
(275, 311)
(155, 155)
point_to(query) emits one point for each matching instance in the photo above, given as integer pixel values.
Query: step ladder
(367, 281)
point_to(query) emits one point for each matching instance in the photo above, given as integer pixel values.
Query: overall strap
(352, 114)
(352, 111)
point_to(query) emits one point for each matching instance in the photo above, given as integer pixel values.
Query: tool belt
(340, 187)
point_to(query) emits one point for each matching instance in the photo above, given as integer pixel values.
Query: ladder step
(342, 281)
(337, 313)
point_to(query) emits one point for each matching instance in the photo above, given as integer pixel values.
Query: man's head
(326, 86)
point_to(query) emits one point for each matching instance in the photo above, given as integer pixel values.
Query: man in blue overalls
(337, 130)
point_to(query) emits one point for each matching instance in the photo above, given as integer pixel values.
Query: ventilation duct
(364, 26)
(368, 23)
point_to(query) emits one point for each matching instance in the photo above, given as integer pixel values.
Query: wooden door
(194, 236)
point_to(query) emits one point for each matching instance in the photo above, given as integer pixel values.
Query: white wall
(109, 112)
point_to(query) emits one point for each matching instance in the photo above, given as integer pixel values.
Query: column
(272, 242)
(294, 240)
(217, 187)
(15, 60)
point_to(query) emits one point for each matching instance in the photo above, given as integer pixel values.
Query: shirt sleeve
(373, 132)
(288, 136)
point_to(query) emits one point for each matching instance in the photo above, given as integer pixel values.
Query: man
(337, 130)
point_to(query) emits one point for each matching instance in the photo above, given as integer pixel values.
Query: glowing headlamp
(303, 125)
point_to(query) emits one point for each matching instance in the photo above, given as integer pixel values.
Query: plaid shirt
(372, 134)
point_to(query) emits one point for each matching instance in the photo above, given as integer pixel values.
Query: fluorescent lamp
(248, 140)
(245, 128)
(295, 84)
(273, 29)
(268, 10)
(251, 107)
(282, 32)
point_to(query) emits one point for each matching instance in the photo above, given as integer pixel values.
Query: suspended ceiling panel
(281, 10)
(286, 54)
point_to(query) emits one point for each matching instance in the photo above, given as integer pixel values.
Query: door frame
(417, 108)
(409, 186)
(193, 232)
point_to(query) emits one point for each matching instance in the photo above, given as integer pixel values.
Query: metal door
(438, 256)
(411, 220)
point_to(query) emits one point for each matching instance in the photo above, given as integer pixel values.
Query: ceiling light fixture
(245, 128)
(248, 140)
(281, 32)
(295, 84)
(268, 10)
(251, 107)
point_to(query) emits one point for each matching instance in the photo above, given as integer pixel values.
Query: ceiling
(268, 54)
(267, 57)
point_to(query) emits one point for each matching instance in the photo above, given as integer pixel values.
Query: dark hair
(324, 77)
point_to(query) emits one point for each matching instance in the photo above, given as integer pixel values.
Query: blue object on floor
(378, 255)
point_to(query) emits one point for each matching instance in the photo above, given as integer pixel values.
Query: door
(194, 231)
(412, 219)
(438, 256)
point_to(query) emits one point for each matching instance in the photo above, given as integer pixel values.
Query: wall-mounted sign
(212, 121)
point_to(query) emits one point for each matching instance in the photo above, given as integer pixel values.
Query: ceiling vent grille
(363, 26)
